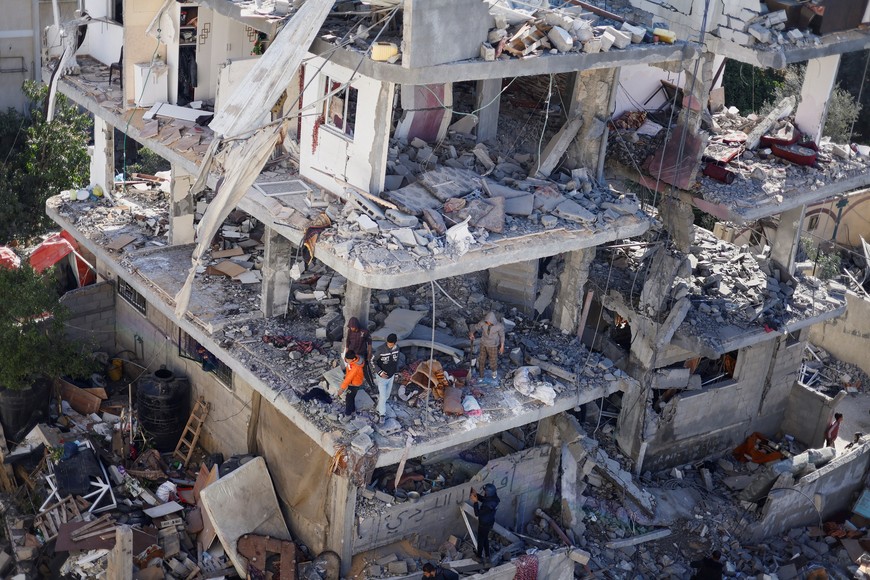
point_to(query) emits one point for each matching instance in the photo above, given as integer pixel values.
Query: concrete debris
(732, 291)
(823, 372)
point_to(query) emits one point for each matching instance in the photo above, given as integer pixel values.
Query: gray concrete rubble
(733, 293)
(826, 373)
(760, 182)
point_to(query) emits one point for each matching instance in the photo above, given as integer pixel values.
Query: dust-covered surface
(732, 292)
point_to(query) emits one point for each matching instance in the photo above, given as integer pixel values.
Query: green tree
(32, 340)
(747, 87)
(39, 160)
(843, 111)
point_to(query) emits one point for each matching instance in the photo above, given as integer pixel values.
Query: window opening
(339, 110)
(129, 294)
(190, 349)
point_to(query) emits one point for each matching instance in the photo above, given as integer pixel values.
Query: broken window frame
(132, 297)
(335, 92)
(117, 11)
(190, 349)
(723, 379)
(813, 223)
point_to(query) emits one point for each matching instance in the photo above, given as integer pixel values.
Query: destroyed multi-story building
(396, 150)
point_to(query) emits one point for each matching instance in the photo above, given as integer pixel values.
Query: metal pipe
(540, 513)
(597, 11)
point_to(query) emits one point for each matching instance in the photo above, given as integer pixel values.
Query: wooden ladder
(191, 432)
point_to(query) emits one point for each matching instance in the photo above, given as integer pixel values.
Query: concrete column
(679, 219)
(696, 91)
(103, 158)
(340, 510)
(487, 104)
(381, 142)
(276, 273)
(821, 75)
(788, 233)
(181, 207)
(569, 301)
(356, 303)
(591, 98)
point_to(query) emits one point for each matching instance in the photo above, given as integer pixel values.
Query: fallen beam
(557, 146)
(641, 539)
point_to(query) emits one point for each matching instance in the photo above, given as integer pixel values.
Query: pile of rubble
(830, 375)
(725, 285)
(112, 504)
(457, 203)
(567, 29)
(761, 27)
(756, 160)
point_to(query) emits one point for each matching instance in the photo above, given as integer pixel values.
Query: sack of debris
(471, 406)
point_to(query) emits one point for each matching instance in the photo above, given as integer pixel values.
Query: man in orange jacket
(354, 376)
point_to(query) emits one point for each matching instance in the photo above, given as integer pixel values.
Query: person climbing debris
(491, 343)
(710, 567)
(485, 505)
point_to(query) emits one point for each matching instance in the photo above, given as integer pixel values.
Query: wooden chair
(118, 66)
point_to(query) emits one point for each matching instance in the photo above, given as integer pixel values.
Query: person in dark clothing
(485, 506)
(710, 568)
(438, 573)
(358, 339)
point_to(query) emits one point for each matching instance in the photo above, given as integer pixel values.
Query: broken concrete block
(592, 45)
(549, 221)
(399, 568)
(573, 211)
(760, 33)
(607, 41)
(405, 236)
(487, 52)
(495, 35)
(466, 123)
(561, 39)
(362, 442)
(364, 402)
(708, 479)
(389, 558)
(367, 224)
(620, 39)
(637, 33)
(794, 35)
(594, 480)
(401, 219)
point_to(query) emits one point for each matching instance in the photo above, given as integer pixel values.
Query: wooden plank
(80, 400)
(237, 251)
(120, 241)
(98, 392)
(853, 547)
(272, 73)
(121, 557)
(552, 369)
(228, 268)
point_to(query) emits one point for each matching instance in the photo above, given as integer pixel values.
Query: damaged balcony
(752, 167)
(728, 298)
(478, 41)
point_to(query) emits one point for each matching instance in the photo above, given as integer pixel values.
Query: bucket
(384, 51)
(116, 371)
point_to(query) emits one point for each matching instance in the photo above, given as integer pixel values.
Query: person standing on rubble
(485, 507)
(491, 343)
(353, 381)
(710, 567)
(385, 363)
(434, 572)
(833, 430)
(359, 340)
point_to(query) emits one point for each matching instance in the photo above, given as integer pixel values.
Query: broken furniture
(263, 551)
(81, 474)
(430, 375)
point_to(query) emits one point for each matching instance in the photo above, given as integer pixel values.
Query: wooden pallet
(49, 521)
(527, 39)
(190, 435)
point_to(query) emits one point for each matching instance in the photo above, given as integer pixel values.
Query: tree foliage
(32, 339)
(39, 160)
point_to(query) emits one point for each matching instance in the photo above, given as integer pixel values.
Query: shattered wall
(326, 152)
(299, 468)
(92, 315)
(808, 414)
(815, 497)
(697, 423)
(847, 337)
(518, 478)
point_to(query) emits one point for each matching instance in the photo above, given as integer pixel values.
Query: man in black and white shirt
(385, 363)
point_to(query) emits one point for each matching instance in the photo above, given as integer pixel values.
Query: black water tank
(21, 410)
(164, 406)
